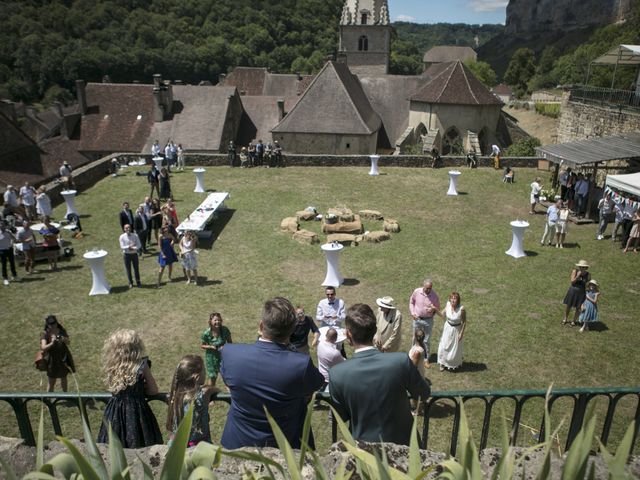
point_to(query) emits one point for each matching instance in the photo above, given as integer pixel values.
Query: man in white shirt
(65, 175)
(130, 246)
(328, 354)
(495, 153)
(330, 311)
(28, 197)
(156, 148)
(11, 199)
(550, 224)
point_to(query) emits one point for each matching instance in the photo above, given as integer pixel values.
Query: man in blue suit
(371, 390)
(268, 374)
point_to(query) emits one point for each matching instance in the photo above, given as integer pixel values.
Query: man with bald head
(423, 304)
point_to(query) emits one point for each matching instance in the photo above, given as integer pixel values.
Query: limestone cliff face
(530, 16)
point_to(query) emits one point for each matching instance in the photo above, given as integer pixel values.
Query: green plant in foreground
(204, 458)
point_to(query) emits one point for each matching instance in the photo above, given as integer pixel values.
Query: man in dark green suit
(371, 390)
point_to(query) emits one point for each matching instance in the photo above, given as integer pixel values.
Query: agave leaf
(455, 469)
(469, 457)
(342, 426)
(85, 467)
(382, 467)
(204, 455)
(341, 471)
(117, 458)
(617, 463)
(575, 466)
(306, 431)
(415, 465)
(40, 440)
(92, 452)
(9, 473)
(285, 449)
(38, 476)
(202, 473)
(502, 466)
(371, 462)
(174, 460)
(146, 469)
(255, 457)
(321, 473)
(64, 463)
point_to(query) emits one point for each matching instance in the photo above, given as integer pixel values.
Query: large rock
(354, 227)
(342, 238)
(391, 225)
(305, 215)
(289, 224)
(377, 236)
(343, 214)
(370, 214)
(306, 237)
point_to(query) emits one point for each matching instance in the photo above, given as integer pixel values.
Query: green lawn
(514, 338)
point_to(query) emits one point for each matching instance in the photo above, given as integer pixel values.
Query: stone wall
(579, 121)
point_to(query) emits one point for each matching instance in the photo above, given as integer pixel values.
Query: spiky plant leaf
(92, 452)
(617, 463)
(453, 470)
(9, 473)
(342, 426)
(341, 471)
(306, 431)
(205, 455)
(255, 457)
(117, 458)
(86, 469)
(40, 439)
(285, 448)
(65, 464)
(174, 460)
(202, 473)
(321, 473)
(382, 467)
(415, 465)
(38, 476)
(506, 464)
(577, 461)
(469, 456)
(370, 462)
(147, 472)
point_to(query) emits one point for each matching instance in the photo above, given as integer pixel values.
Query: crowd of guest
(256, 154)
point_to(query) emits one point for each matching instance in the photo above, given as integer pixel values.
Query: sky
(448, 11)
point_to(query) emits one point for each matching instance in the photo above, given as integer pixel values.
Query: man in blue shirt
(550, 224)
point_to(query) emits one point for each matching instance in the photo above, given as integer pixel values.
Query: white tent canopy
(620, 55)
(625, 183)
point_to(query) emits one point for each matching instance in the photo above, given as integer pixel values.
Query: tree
(525, 147)
(483, 72)
(520, 70)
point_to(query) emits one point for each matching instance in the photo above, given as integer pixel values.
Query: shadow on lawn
(204, 281)
(350, 282)
(217, 226)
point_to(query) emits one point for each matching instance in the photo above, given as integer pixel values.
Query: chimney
(280, 109)
(298, 76)
(158, 108)
(57, 107)
(106, 79)
(157, 80)
(30, 112)
(221, 78)
(341, 57)
(81, 94)
(168, 97)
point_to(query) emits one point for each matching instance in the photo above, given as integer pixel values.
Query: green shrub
(548, 109)
(525, 147)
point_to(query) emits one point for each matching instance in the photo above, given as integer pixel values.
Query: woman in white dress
(188, 256)
(450, 348)
(43, 203)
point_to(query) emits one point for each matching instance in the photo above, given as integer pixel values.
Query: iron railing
(606, 97)
(580, 399)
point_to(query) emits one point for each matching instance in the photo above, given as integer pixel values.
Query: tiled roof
(119, 117)
(261, 114)
(455, 84)
(449, 53)
(334, 103)
(199, 125)
(502, 89)
(248, 80)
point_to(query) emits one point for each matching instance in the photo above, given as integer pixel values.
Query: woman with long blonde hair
(128, 378)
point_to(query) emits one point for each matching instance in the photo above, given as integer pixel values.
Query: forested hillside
(49, 44)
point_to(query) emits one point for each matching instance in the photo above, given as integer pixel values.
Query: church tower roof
(365, 12)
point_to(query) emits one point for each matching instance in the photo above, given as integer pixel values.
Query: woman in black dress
(54, 343)
(576, 294)
(165, 186)
(129, 379)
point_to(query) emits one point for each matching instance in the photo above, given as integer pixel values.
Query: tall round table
(374, 165)
(453, 182)
(332, 253)
(69, 198)
(517, 227)
(158, 162)
(95, 259)
(199, 180)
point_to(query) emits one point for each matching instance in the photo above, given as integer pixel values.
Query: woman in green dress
(213, 340)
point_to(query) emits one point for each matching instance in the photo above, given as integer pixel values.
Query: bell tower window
(363, 43)
(363, 18)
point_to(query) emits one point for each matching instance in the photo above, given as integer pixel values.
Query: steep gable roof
(248, 80)
(455, 84)
(334, 103)
(118, 119)
(449, 53)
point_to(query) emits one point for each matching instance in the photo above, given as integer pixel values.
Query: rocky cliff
(528, 16)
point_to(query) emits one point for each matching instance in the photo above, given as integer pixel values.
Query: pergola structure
(622, 55)
(592, 153)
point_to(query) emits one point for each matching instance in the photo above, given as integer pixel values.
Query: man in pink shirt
(423, 305)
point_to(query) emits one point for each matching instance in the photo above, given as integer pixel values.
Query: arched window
(452, 142)
(363, 18)
(363, 43)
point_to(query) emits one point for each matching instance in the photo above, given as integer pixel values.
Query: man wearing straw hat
(388, 325)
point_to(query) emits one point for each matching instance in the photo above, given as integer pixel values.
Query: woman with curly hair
(128, 378)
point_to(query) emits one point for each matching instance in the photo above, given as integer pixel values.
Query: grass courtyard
(514, 339)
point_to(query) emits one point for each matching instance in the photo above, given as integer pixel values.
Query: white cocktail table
(199, 180)
(517, 227)
(202, 215)
(96, 263)
(158, 162)
(453, 182)
(69, 199)
(332, 252)
(374, 165)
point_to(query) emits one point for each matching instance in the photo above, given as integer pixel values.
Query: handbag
(41, 361)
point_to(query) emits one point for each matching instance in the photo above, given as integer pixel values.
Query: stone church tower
(365, 36)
